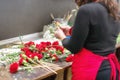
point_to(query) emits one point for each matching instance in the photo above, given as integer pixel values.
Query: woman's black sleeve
(79, 32)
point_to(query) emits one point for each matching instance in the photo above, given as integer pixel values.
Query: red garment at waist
(86, 65)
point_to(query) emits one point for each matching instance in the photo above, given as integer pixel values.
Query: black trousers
(105, 71)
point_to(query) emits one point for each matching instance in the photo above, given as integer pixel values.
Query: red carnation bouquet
(45, 50)
(32, 53)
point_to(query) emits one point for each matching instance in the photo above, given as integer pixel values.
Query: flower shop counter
(62, 68)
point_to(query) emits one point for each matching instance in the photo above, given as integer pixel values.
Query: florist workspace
(46, 58)
(41, 59)
(41, 56)
(28, 48)
(31, 46)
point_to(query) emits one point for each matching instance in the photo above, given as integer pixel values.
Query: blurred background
(21, 17)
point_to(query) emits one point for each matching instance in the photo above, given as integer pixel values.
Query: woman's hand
(65, 30)
(60, 34)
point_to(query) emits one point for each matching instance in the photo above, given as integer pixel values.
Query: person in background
(93, 40)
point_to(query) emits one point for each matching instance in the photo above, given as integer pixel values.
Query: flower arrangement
(34, 54)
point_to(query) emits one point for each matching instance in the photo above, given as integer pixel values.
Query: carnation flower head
(38, 55)
(14, 67)
(20, 61)
(28, 44)
(69, 58)
(55, 57)
(55, 43)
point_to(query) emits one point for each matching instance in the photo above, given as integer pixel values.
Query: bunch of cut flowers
(33, 55)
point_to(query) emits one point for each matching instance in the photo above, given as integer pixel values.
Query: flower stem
(46, 67)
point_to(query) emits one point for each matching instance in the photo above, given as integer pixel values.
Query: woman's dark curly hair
(112, 6)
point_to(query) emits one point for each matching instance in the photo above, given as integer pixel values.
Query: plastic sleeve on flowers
(68, 37)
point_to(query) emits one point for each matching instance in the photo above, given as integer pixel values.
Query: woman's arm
(79, 31)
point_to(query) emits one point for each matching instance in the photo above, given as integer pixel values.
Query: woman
(93, 40)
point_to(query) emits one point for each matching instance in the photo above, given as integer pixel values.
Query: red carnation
(14, 67)
(70, 58)
(21, 61)
(38, 55)
(48, 43)
(55, 57)
(41, 47)
(28, 44)
(25, 49)
(20, 55)
(55, 43)
(43, 43)
(60, 48)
